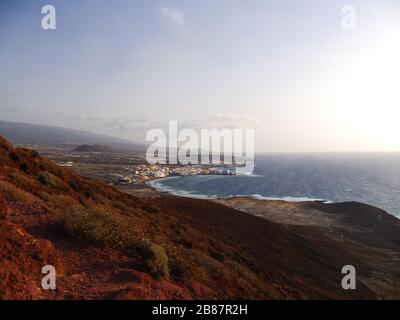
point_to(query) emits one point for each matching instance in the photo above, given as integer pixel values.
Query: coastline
(255, 200)
(154, 185)
(237, 247)
(358, 228)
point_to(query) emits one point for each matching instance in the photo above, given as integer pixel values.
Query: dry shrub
(43, 196)
(47, 179)
(121, 206)
(13, 194)
(62, 201)
(243, 273)
(50, 180)
(106, 226)
(157, 260)
(98, 224)
(100, 199)
(58, 201)
(211, 268)
(22, 181)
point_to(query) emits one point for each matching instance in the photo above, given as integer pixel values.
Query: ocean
(372, 178)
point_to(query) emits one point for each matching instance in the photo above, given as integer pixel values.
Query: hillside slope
(93, 148)
(34, 134)
(106, 244)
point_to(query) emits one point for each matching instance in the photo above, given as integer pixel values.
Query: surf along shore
(369, 233)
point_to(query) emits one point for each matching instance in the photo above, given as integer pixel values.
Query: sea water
(372, 178)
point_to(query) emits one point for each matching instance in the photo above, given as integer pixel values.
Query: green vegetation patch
(106, 226)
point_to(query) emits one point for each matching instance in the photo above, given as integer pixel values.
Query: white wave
(158, 185)
(248, 174)
(287, 199)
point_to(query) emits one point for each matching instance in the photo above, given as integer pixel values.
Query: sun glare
(366, 94)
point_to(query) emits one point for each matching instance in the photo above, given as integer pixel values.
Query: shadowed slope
(110, 244)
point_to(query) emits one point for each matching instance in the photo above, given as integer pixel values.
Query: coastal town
(123, 169)
(144, 172)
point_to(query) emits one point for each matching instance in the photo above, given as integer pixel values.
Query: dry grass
(63, 201)
(43, 195)
(22, 181)
(13, 194)
(206, 268)
(243, 273)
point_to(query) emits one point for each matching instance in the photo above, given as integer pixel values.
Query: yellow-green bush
(106, 226)
(157, 260)
(243, 272)
(52, 181)
(47, 179)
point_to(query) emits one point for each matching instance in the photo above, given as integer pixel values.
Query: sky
(287, 69)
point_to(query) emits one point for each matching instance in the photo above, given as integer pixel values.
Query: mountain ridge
(20, 133)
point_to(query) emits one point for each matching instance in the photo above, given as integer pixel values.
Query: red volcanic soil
(106, 244)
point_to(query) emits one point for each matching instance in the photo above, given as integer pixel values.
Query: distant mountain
(33, 134)
(94, 148)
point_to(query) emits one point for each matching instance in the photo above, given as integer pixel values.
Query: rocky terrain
(369, 234)
(106, 244)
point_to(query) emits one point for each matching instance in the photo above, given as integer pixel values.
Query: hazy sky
(285, 68)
